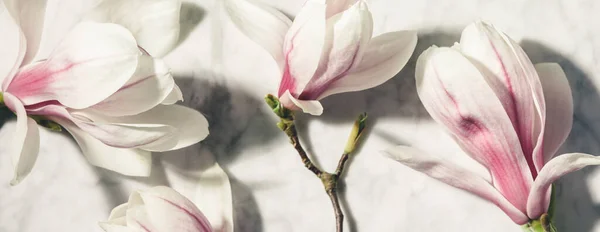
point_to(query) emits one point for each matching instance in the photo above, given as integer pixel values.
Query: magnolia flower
(328, 48)
(159, 209)
(506, 113)
(113, 97)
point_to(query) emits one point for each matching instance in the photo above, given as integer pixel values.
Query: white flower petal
(539, 197)
(154, 23)
(173, 97)
(168, 210)
(91, 63)
(149, 86)
(384, 57)
(559, 107)
(262, 24)
(311, 106)
(455, 176)
(214, 198)
(13, 46)
(29, 15)
(25, 145)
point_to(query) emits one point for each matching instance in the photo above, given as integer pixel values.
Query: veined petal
(91, 63)
(214, 198)
(168, 210)
(154, 23)
(262, 24)
(13, 48)
(384, 57)
(29, 15)
(25, 145)
(455, 176)
(303, 46)
(346, 39)
(475, 118)
(149, 86)
(559, 108)
(512, 76)
(539, 197)
(313, 107)
(174, 96)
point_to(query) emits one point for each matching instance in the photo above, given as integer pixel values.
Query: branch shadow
(576, 210)
(190, 16)
(238, 120)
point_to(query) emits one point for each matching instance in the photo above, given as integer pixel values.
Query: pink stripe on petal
(201, 221)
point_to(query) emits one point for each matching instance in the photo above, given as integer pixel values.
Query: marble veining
(225, 75)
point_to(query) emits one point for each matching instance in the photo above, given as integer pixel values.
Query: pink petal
(264, 25)
(168, 210)
(512, 76)
(313, 107)
(384, 57)
(302, 48)
(539, 197)
(25, 144)
(346, 39)
(91, 63)
(455, 176)
(457, 96)
(29, 15)
(149, 86)
(559, 108)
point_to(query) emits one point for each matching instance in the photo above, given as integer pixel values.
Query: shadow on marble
(576, 210)
(190, 16)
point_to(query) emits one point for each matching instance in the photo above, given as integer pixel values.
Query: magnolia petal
(346, 39)
(109, 227)
(168, 210)
(337, 6)
(512, 76)
(91, 63)
(455, 176)
(303, 46)
(130, 162)
(13, 46)
(559, 108)
(137, 219)
(118, 212)
(539, 197)
(384, 57)
(180, 126)
(25, 145)
(149, 86)
(29, 15)
(313, 107)
(173, 97)
(262, 24)
(154, 23)
(476, 118)
(214, 198)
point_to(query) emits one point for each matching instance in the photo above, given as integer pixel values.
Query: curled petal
(91, 63)
(559, 108)
(455, 176)
(513, 78)
(29, 15)
(539, 197)
(303, 47)
(150, 85)
(384, 57)
(264, 25)
(476, 118)
(170, 211)
(154, 23)
(313, 107)
(25, 144)
(174, 96)
(346, 39)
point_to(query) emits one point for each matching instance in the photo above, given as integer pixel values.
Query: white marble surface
(225, 75)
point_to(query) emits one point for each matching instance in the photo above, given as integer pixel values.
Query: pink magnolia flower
(506, 113)
(113, 97)
(328, 48)
(159, 209)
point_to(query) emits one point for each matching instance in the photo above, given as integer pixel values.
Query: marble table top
(225, 75)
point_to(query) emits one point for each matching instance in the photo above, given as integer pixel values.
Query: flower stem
(329, 180)
(544, 224)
